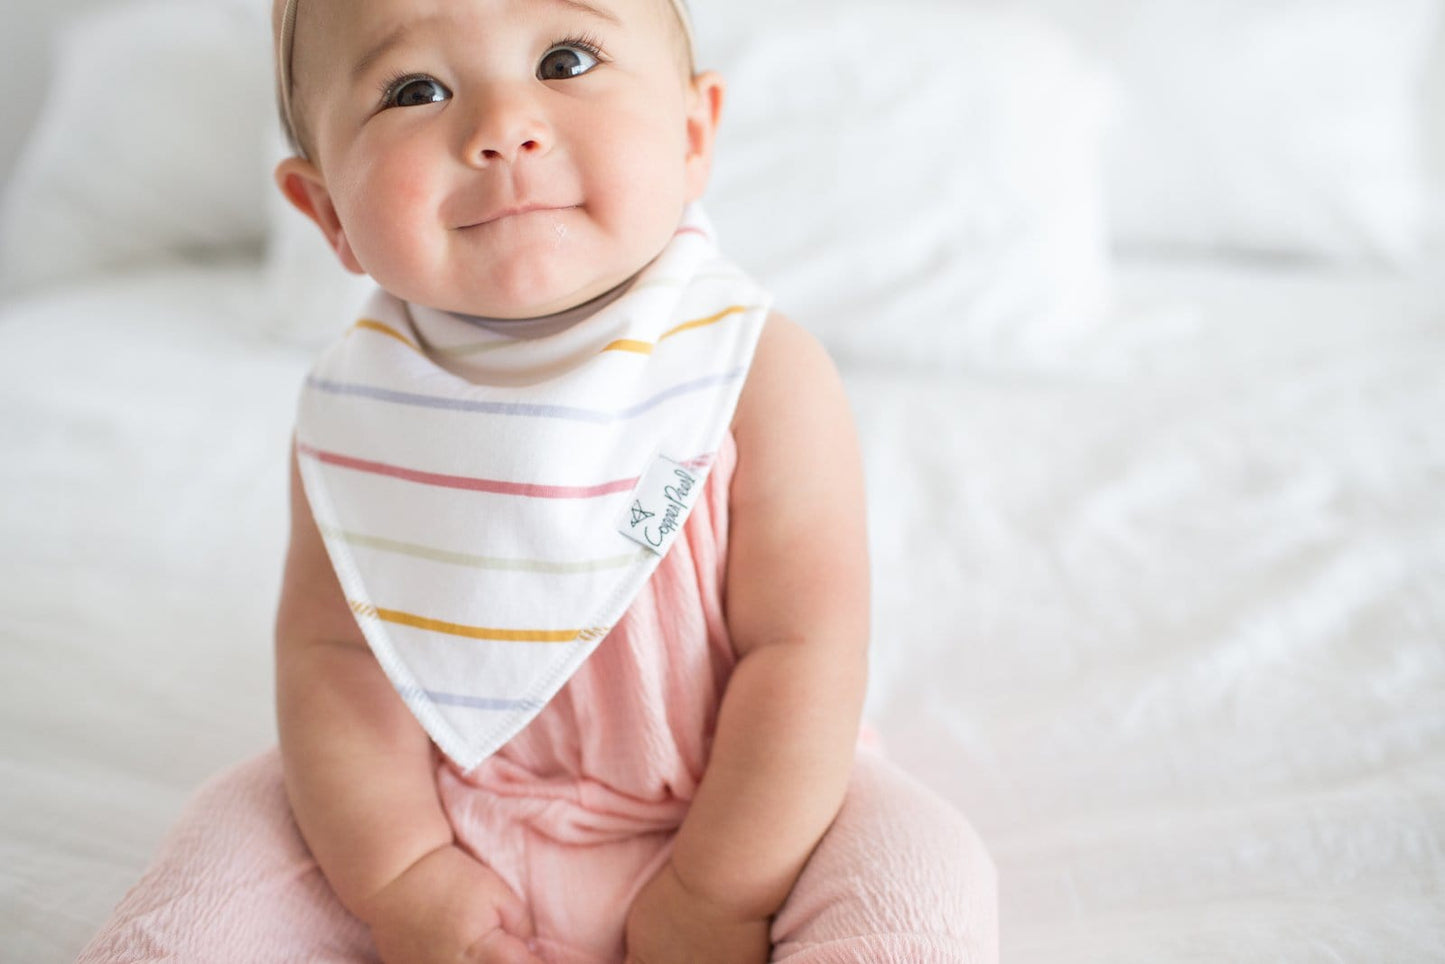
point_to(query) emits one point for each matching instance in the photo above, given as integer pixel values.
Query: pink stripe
(697, 463)
(528, 490)
(691, 230)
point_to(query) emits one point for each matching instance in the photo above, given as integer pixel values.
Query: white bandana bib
(492, 503)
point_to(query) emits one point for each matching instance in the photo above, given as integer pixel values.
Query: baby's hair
(286, 41)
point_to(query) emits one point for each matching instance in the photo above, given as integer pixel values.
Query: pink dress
(577, 812)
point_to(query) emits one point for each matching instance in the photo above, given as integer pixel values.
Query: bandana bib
(493, 497)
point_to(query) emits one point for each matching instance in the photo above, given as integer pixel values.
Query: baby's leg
(899, 877)
(233, 882)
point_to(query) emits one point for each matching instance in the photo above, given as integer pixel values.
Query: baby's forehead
(327, 19)
(284, 14)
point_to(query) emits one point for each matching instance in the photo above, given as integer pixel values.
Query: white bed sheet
(1174, 633)
(1167, 622)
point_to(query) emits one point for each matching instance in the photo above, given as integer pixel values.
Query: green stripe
(479, 562)
(477, 348)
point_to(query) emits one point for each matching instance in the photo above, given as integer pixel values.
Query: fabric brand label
(659, 505)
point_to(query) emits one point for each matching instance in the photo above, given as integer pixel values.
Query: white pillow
(919, 182)
(149, 145)
(1289, 127)
(1433, 109)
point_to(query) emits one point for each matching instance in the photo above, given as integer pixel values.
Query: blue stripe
(476, 702)
(563, 412)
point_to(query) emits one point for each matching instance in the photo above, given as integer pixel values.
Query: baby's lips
(501, 212)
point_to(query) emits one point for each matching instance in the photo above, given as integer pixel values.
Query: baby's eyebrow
(397, 34)
(599, 12)
(392, 38)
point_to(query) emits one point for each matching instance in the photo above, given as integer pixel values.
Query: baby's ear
(302, 184)
(704, 110)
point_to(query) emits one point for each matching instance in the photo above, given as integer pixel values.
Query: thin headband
(288, 39)
(283, 65)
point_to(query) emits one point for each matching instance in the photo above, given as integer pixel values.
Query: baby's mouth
(515, 211)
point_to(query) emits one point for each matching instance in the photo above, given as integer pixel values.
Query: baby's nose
(529, 146)
(507, 126)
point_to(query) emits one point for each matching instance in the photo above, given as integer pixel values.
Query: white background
(25, 49)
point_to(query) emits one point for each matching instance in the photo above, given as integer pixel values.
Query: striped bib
(493, 497)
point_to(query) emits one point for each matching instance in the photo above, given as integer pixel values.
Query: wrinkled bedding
(1167, 620)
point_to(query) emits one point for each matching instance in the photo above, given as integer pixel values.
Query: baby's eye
(565, 61)
(416, 92)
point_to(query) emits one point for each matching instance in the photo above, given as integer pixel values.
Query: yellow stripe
(704, 322)
(467, 632)
(373, 325)
(640, 347)
(644, 348)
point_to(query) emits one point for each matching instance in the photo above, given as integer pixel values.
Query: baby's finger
(499, 947)
(516, 917)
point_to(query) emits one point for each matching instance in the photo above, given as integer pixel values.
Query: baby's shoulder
(787, 356)
(792, 384)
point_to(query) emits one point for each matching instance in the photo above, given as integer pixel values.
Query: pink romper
(577, 812)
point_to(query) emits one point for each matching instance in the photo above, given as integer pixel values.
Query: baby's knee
(892, 830)
(241, 814)
(898, 864)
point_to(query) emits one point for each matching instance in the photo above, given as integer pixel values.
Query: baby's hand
(669, 925)
(451, 907)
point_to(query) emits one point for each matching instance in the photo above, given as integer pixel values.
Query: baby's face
(508, 158)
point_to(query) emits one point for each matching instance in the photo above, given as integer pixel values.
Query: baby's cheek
(384, 227)
(409, 192)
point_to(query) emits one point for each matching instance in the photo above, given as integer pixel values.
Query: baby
(572, 646)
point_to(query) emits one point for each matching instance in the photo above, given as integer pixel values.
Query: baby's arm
(797, 610)
(360, 775)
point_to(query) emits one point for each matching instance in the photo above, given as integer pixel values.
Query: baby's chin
(518, 295)
(514, 301)
(528, 267)
(538, 298)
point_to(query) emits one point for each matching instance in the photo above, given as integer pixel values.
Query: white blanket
(1168, 624)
